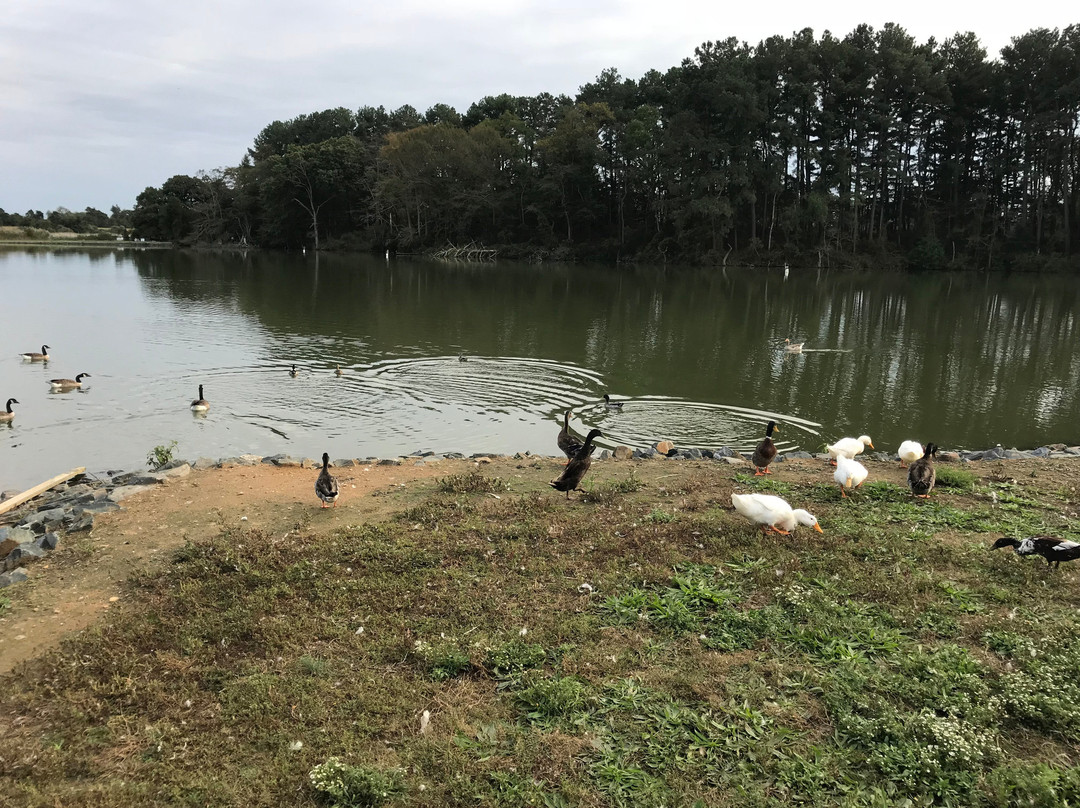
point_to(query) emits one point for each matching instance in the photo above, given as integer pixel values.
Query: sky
(99, 100)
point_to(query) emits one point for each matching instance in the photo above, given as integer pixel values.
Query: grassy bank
(491, 644)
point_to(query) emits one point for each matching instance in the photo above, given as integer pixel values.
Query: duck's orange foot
(760, 473)
(781, 532)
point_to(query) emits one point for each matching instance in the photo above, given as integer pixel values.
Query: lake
(964, 360)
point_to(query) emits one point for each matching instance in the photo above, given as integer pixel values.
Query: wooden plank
(16, 501)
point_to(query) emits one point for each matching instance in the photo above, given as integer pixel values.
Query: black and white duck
(568, 442)
(612, 405)
(68, 384)
(326, 487)
(8, 415)
(570, 479)
(1054, 550)
(200, 404)
(921, 474)
(765, 451)
(33, 356)
(293, 371)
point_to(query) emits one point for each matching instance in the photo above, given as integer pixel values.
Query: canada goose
(773, 513)
(8, 415)
(849, 474)
(612, 405)
(293, 371)
(568, 444)
(570, 479)
(921, 475)
(31, 356)
(793, 347)
(765, 451)
(326, 487)
(200, 404)
(909, 452)
(337, 370)
(67, 384)
(1053, 550)
(849, 447)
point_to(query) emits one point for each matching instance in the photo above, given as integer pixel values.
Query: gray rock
(1042, 451)
(882, 457)
(645, 454)
(204, 463)
(997, 453)
(125, 491)
(16, 534)
(707, 453)
(778, 459)
(69, 495)
(948, 457)
(85, 522)
(725, 451)
(124, 477)
(49, 542)
(733, 461)
(390, 462)
(604, 455)
(344, 462)
(16, 576)
(281, 460)
(46, 516)
(9, 494)
(23, 554)
(454, 456)
(98, 507)
(690, 454)
(174, 464)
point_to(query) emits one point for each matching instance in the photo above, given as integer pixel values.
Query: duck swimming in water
(612, 405)
(67, 384)
(200, 404)
(8, 415)
(32, 356)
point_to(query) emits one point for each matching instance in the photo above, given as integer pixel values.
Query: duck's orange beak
(817, 527)
(871, 444)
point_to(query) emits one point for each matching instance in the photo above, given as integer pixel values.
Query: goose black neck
(929, 451)
(200, 393)
(9, 401)
(1005, 541)
(566, 420)
(325, 460)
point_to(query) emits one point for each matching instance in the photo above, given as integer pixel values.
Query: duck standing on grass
(849, 474)
(8, 415)
(921, 475)
(67, 384)
(909, 452)
(33, 356)
(326, 487)
(570, 479)
(200, 404)
(1052, 549)
(568, 443)
(765, 451)
(773, 513)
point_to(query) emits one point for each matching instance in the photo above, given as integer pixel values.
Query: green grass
(955, 478)
(892, 660)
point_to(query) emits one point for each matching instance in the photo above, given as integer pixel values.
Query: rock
(1016, 454)
(124, 477)
(344, 463)
(604, 455)
(390, 462)
(23, 554)
(433, 459)
(9, 494)
(734, 461)
(69, 495)
(725, 451)
(15, 534)
(881, 457)
(85, 522)
(204, 463)
(16, 576)
(49, 542)
(664, 447)
(454, 456)
(482, 460)
(174, 464)
(281, 460)
(96, 507)
(948, 457)
(125, 491)
(622, 453)
(1042, 451)
(644, 454)
(997, 453)
(45, 517)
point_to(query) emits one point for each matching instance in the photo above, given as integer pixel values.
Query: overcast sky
(100, 99)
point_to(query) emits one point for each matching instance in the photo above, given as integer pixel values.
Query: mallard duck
(921, 474)
(909, 452)
(8, 415)
(325, 485)
(337, 370)
(849, 447)
(67, 384)
(793, 347)
(773, 513)
(31, 356)
(570, 479)
(200, 404)
(849, 474)
(612, 405)
(765, 451)
(1052, 549)
(568, 443)
(293, 371)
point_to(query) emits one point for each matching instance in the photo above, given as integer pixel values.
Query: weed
(514, 657)
(961, 479)
(472, 482)
(346, 786)
(659, 516)
(161, 455)
(5, 604)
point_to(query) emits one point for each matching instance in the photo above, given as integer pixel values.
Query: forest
(868, 150)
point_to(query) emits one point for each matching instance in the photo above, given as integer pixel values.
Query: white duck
(772, 512)
(849, 474)
(849, 447)
(909, 452)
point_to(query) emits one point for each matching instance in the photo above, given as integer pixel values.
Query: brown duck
(568, 443)
(570, 479)
(765, 451)
(921, 474)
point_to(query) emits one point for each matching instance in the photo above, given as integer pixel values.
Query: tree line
(871, 148)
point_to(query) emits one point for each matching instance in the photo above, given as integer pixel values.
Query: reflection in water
(963, 360)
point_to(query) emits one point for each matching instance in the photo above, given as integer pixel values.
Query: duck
(849, 474)
(293, 371)
(32, 356)
(67, 384)
(200, 404)
(326, 487)
(8, 415)
(462, 357)
(337, 370)
(1054, 550)
(793, 347)
(570, 479)
(849, 447)
(773, 513)
(909, 452)
(921, 475)
(765, 451)
(612, 405)
(568, 443)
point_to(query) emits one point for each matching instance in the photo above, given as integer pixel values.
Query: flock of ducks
(56, 385)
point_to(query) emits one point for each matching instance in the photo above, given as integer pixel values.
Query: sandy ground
(75, 584)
